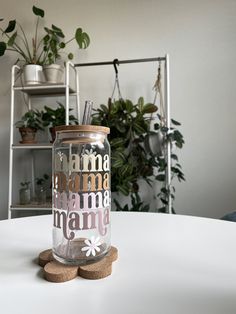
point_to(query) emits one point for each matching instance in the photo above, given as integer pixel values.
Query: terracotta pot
(28, 135)
(53, 134)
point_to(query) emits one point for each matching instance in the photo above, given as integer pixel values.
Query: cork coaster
(100, 269)
(45, 257)
(58, 272)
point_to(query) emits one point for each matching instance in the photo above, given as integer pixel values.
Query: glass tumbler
(81, 197)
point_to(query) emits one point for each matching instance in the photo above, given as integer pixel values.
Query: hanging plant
(131, 160)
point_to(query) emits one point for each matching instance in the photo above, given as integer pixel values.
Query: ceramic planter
(28, 135)
(24, 195)
(33, 74)
(154, 143)
(53, 73)
(41, 195)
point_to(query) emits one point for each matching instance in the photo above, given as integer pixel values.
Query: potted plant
(24, 193)
(132, 160)
(55, 117)
(54, 45)
(29, 124)
(41, 191)
(39, 50)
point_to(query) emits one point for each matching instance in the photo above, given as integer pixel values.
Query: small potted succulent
(35, 52)
(41, 191)
(55, 117)
(29, 124)
(24, 193)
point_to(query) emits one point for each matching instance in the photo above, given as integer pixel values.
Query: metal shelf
(20, 208)
(44, 89)
(32, 206)
(32, 146)
(32, 91)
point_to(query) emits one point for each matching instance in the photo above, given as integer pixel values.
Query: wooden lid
(83, 128)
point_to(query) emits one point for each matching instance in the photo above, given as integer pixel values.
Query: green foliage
(55, 117)
(42, 180)
(136, 204)
(130, 125)
(25, 184)
(54, 43)
(45, 50)
(31, 119)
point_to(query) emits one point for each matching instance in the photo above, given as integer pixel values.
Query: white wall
(200, 38)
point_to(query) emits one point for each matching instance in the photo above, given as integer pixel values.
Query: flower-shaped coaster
(57, 272)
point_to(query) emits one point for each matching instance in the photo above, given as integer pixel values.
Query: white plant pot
(154, 143)
(53, 73)
(33, 74)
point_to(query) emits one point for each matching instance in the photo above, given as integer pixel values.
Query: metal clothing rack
(166, 103)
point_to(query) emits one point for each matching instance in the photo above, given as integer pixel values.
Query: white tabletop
(167, 264)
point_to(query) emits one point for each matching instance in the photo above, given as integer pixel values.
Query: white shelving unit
(66, 90)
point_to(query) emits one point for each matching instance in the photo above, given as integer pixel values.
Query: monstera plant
(47, 45)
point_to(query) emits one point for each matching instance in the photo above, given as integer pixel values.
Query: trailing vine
(132, 158)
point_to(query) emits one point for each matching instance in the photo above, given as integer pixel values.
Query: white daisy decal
(92, 246)
(90, 152)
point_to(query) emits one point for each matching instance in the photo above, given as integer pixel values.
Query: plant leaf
(175, 122)
(3, 47)
(11, 26)
(82, 38)
(58, 31)
(124, 189)
(117, 163)
(62, 45)
(11, 40)
(104, 108)
(124, 169)
(149, 108)
(162, 210)
(129, 105)
(160, 177)
(140, 103)
(139, 128)
(118, 141)
(38, 11)
(174, 156)
(70, 56)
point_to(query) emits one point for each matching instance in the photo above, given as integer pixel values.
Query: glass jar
(81, 194)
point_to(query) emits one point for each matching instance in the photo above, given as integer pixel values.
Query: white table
(167, 264)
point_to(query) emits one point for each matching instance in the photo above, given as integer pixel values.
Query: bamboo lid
(83, 128)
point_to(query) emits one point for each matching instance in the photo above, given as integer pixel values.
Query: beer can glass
(81, 197)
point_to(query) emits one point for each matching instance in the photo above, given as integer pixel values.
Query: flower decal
(92, 246)
(90, 152)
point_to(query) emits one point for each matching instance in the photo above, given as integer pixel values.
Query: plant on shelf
(24, 193)
(47, 45)
(131, 160)
(29, 124)
(55, 117)
(41, 192)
